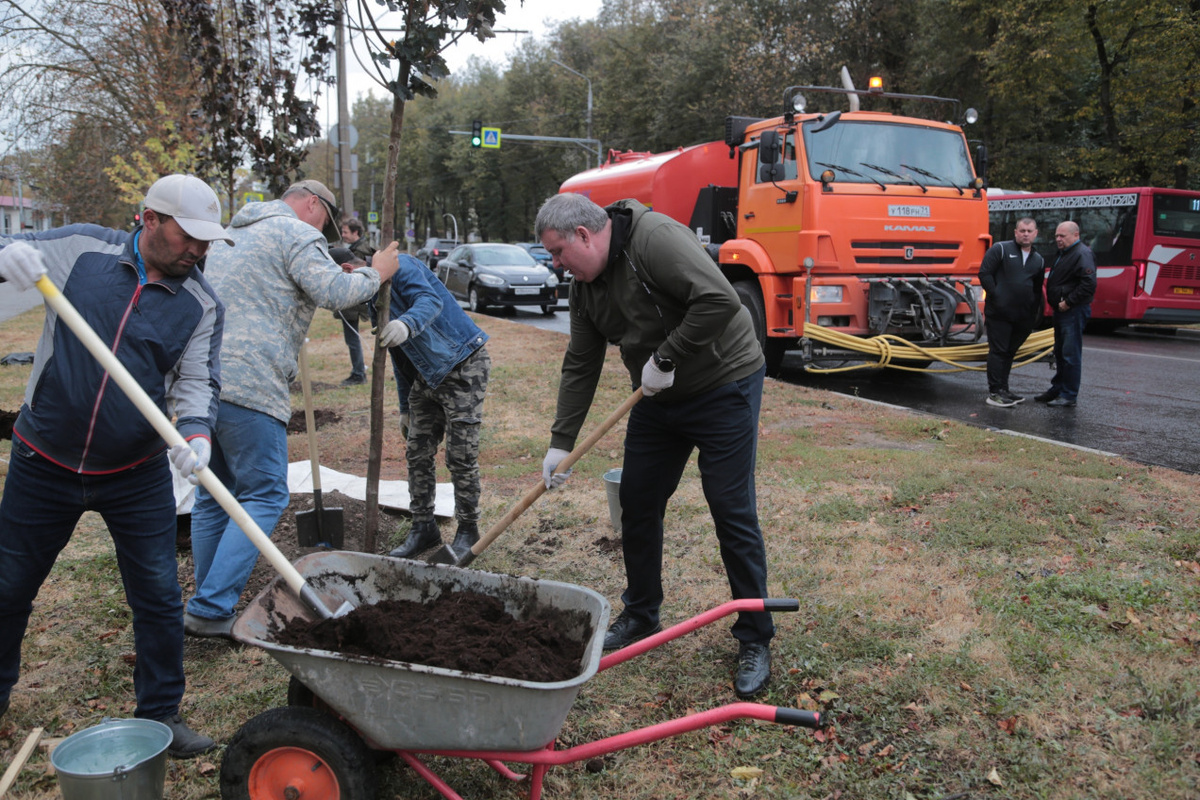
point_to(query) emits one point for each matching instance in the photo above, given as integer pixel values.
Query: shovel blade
(443, 555)
(327, 526)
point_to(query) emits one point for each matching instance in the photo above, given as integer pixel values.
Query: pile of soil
(465, 631)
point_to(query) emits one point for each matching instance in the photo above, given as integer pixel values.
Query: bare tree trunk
(382, 304)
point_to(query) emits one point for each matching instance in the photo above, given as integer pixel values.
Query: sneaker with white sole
(999, 400)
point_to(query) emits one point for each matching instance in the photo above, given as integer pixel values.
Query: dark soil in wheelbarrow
(465, 631)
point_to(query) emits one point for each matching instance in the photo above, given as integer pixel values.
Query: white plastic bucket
(612, 486)
(119, 759)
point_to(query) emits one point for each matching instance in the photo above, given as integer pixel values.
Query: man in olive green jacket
(643, 282)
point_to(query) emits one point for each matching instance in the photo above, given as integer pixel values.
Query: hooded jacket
(272, 282)
(167, 333)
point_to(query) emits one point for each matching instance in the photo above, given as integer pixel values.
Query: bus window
(1108, 231)
(1176, 215)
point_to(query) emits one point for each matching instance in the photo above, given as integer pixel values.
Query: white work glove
(654, 380)
(554, 457)
(404, 425)
(191, 458)
(21, 265)
(395, 333)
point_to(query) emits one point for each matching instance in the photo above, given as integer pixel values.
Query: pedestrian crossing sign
(491, 138)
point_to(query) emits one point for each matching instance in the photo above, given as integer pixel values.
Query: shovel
(320, 525)
(447, 554)
(154, 415)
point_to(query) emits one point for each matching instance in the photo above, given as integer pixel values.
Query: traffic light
(477, 133)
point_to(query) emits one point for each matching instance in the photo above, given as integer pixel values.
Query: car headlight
(552, 280)
(826, 294)
(489, 280)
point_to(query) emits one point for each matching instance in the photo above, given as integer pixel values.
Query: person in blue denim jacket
(439, 353)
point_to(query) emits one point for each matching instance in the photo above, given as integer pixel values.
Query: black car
(543, 257)
(434, 250)
(486, 274)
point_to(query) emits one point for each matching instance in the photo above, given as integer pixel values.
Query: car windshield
(890, 153)
(503, 255)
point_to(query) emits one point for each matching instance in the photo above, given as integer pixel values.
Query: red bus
(1146, 241)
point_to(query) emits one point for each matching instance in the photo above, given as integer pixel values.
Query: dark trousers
(1068, 350)
(350, 317)
(1004, 340)
(42, 504)
(722, 425)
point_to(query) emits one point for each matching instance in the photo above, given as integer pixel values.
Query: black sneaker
(754, 669)
(627, 630)
(999, 400)
(354, 380)
(1061, 402)
(1016, 398)
(185, 742)
(1046, 396)
(206, 628)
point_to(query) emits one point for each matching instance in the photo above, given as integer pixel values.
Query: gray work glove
(554, 457)
(395, 333)
(21, 265)
(654, 380)
(192, 457)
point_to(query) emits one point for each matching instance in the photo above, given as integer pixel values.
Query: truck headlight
(826, 294)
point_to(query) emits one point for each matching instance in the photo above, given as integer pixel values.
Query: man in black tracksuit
(1069, 291)
(1011, 275)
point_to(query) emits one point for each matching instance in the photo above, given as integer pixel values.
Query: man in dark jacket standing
(644, 282)
(1069, 291)
(1011, 275)
(80, 444)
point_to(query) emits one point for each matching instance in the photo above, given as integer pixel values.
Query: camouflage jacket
(271, 283)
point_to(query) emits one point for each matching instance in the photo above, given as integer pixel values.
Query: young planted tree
(407, 66)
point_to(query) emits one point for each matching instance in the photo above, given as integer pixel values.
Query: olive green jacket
(662, 291)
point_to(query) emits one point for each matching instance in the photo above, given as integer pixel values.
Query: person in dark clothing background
(1069, 291)
(1011, 275)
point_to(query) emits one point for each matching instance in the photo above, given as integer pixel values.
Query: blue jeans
(42, 504)
(1068, 350)
(722, 425)
(250, 457)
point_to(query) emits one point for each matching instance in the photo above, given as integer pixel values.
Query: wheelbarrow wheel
(297, 752)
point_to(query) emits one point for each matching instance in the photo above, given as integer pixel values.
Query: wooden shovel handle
(568, 462)
(309, 423)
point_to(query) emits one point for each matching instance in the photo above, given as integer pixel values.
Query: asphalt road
(1140, 396)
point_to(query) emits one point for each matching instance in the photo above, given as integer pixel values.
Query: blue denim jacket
(441, 334)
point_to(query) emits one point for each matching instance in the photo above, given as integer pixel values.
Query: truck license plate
(908, 211)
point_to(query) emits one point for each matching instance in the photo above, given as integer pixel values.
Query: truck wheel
(474, 301)
(773, 349)
(296, 752)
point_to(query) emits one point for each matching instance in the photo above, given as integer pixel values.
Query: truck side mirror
(770, 166)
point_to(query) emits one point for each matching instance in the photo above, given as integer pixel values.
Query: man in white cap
(79, 444)
(272, 283)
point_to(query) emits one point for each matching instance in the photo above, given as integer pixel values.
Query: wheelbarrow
(344, 708)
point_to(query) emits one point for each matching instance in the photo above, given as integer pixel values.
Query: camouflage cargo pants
(453, 410)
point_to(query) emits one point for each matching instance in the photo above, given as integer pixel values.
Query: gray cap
(193, 205)
(332, 229)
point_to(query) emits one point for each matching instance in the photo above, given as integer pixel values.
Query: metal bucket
(612, 485)
(119, 759)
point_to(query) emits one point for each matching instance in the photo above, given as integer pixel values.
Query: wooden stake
(10, 775)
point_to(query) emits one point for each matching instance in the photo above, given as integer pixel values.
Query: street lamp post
(589, 99)
(455, 221)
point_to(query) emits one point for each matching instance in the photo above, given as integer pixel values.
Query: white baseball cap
(192, 203)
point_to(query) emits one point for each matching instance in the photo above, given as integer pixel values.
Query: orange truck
(860, 222)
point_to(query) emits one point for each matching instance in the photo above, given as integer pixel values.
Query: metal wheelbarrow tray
(401, 706)
(320, 746)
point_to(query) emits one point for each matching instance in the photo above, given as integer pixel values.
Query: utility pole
(343, 128)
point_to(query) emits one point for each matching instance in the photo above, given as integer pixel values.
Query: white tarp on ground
(392, 494)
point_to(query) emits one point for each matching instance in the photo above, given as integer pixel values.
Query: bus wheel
(773, 348)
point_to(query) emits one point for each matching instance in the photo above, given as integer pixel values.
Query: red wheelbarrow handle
(698, 621)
